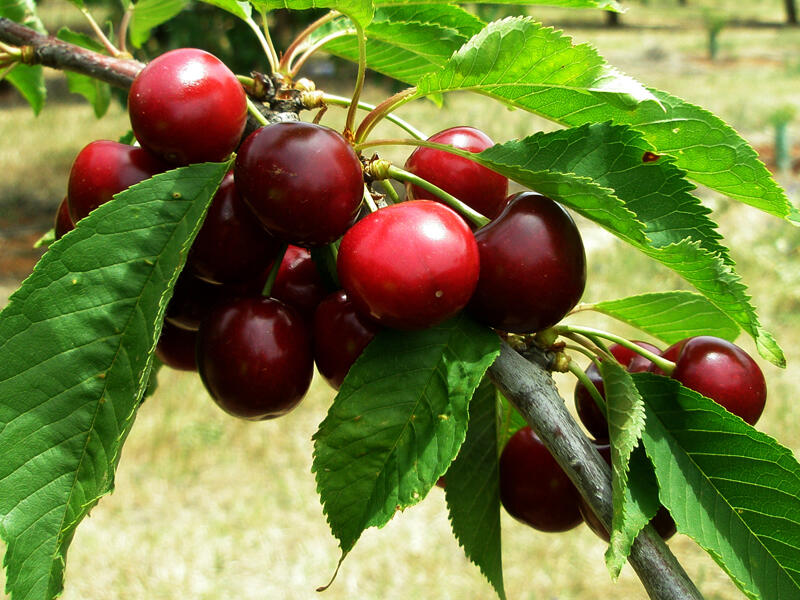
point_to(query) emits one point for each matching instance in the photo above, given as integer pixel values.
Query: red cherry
(670, 354)
(254, 357)
(192, 300)
(723, 372)
(409, 265)
(176, 348)
(533, 266)
(187, 107)
(340, 335)
(533, 487)
(231, 246)
(588, 411)
(63, 222)
(103, 169)
(303, 181)
(298, 282)
(475, 185)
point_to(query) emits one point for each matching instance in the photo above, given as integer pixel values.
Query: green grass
(208, 507)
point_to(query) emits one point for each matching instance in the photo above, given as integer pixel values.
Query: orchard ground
(210, 507)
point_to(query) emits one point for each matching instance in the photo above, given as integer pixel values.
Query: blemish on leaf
(176, 195)
(444, 417)
(650, 157)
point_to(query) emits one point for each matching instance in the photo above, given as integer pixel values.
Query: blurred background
(208, 507)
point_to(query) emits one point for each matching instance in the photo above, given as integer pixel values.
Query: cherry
(254, 357)
(192, 300)
(409, 265)
(176, 348)
(670, 354)
(103, 169)
(231, 246)
(298, 282)
(303, 181)
(662, 521)
(588, 411)
(63, 222)
(533, 266)
(187, 107)
(340, 335)
(723, 372)
(533, 487)
(475, 185)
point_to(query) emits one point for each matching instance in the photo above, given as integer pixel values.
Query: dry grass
(209, 507)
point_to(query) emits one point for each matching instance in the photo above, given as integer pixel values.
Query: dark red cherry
(63, 222)
(298, 282)
(186, 106)
(105, 168)
(409, 265)
(340, 335)
(232, 246)
(254, 357)
(533, 487)
(475, 185)
(533, 266)
(176, 348)
(723, 372)
(303, 181)
(192, 300)
(588, 411)
(670, 354)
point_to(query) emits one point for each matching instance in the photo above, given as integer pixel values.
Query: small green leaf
(625, 415)
(76, 342)
(359, 10)
(238, 9)
(48, 238)
(473, 488)
(716, 476)
(398, 422)
(95, 91)
(148, 14)
(605, 4)
(29, 81)
(509, 421)
(671, 316)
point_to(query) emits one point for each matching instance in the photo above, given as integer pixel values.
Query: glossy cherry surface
(176, 348)
(105, 168)
(303, 181)
(298, 282)
(533, 266)
(186, 106)
(340, 335)
(254, 357)
(410, 265)
(231, 246)
(723, 372)
(588, 411)
(533, 487)
(63, 222)
(475, 185)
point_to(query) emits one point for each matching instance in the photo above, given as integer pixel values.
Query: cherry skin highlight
(103, 169)
(533, 487)
(340, 335)
(303, 181)
(254, 357)
(187, 107)
(533, 266)
(410, 265)
(475, 185)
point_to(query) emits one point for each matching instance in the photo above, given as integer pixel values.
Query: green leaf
(359, 10)
(75, 356)
(517, 58)
(236, 8)
(148, 14)
(95, 91)
(397, 423)
(605, 4)
(28, 79)
(406, 42)
(716, 476)
(671, 316)
(473, 488)
(625, 415)
(47, 238)
(509, 421)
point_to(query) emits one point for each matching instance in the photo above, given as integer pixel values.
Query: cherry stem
(285, 64)
(591, 346)
(265, 41)
(123, 28)
(112, 49)
(6, 70)
(408, 127)
(296, 66)
(253, 110)
(580, 374)
(465, 211)
(369, 201)
(10, 50)
(362, 68)
(662, 363)
(390, 191)
(381, 111)
(273, 272)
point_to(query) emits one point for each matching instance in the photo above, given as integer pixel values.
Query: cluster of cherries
(252, 313)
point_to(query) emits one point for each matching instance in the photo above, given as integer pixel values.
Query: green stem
(362, 68)
(123, 28)
(285, 63)
(266, 44)
(381, 111)
(580, 374)
(253, 110)
(274, 62)
(405, 125)
(665, 365)
(112, 49)
(5, 71)
(368, 199)
(294, 67)
(273, 272)
(390, 191)
(465, 211)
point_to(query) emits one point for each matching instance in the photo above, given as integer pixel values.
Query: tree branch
(530, 388)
